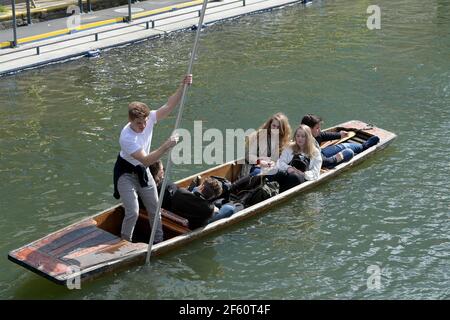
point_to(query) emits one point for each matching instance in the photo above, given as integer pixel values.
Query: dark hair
(138, 110)
(212, 188)
(155, 167)
(311, 120)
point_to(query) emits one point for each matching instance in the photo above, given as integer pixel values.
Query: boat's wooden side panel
(229, 170)
(108, 220)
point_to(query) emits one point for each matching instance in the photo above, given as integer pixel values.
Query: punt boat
(91, 247)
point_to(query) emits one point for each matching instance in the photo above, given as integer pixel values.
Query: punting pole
(177, 123)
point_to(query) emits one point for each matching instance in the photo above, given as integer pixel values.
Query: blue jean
(333, 150)
(254, 171)
(225, 211)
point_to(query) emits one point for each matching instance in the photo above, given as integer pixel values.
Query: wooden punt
(92, 246)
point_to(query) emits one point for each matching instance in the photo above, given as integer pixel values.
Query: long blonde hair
(309, 148)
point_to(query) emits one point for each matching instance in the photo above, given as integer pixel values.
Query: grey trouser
(129, 189)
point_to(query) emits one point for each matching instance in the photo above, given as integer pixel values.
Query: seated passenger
(195, 203)
(335, 154)
(263, 147)
(300, 161)
(157, 171)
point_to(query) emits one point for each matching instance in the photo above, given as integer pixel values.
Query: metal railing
(148, 24)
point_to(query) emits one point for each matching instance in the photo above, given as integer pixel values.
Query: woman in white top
(300, 161)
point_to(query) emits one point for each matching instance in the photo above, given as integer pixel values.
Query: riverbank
(45, 10)
(91, 37)
(62, 20)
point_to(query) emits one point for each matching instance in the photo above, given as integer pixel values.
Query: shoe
(371, 142)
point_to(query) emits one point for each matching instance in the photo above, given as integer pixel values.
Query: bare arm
(152, 157)
(173, 100)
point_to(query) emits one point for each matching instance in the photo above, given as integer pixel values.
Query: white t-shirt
(131, 141)
(312, 172)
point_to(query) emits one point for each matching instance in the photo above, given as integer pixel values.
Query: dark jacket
(327, 136)
(123, 166)
(171, 188)
(192, 206)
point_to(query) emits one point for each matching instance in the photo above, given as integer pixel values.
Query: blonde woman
(300, 161)
(263, 148)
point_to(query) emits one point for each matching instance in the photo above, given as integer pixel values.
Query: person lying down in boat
(335, 154)
(195, 203)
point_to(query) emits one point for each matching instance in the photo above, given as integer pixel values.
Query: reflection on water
(58, 139)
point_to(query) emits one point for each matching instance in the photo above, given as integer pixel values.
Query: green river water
(59, 128)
